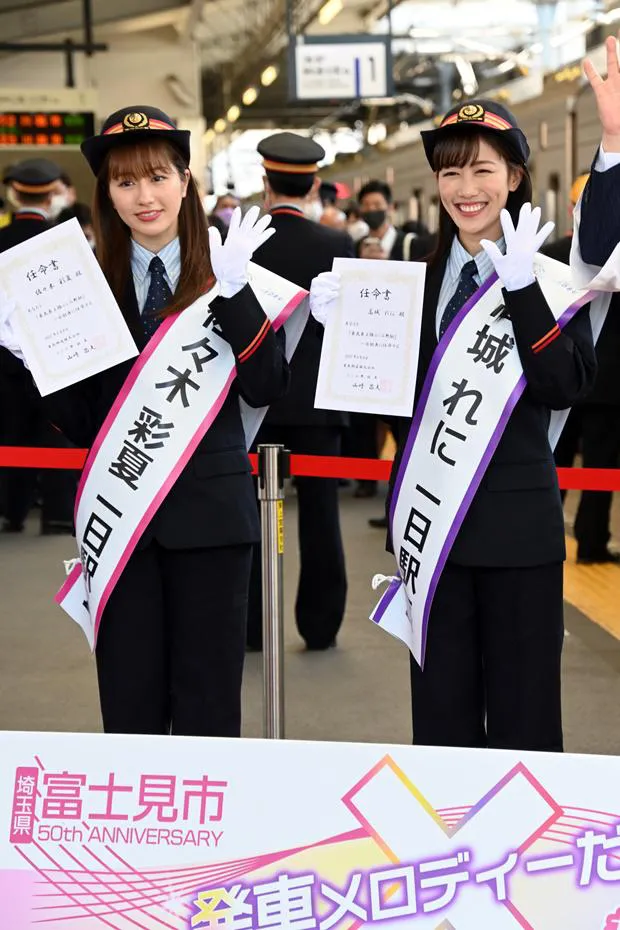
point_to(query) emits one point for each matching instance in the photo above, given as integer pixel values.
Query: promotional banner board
(129, 832)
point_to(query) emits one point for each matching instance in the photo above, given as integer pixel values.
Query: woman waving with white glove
(494, 635)
(171, 641)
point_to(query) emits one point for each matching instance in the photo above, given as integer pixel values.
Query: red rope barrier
(316, 466)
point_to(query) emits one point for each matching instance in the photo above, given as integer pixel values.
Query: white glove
(515, 269)
(229, 259)
(7, 333)
(324, 292)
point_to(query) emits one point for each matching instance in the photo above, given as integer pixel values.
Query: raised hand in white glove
(515, 269)
(7, 333)
(229, 259)
(324, 292)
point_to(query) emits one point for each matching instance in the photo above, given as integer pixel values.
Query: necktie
(464, 290)
(158, 297)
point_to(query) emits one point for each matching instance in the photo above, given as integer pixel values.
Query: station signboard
(341, 67)
(46, 129)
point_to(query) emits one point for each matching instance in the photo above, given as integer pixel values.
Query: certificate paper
(370, 349)
(66, 321)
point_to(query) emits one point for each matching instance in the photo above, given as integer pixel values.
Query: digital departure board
(55, 129)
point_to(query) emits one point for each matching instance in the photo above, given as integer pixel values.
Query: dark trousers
(25, 424)
(569, 443)
(322, 587)
(172, 642)
(600, 439)
(492, 670)
(361, 441)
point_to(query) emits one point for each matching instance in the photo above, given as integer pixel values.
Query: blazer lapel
(131, 312)
(428, 336)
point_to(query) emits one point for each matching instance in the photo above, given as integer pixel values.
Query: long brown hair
(458, 149)
(113, 237)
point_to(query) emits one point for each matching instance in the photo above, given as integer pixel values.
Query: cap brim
(516, 138)
(96, 148)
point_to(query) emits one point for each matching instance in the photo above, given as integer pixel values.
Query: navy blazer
(212, 502)
(516, 518)
(599, 229)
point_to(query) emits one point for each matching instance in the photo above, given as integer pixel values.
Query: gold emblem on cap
(136, 121)
(471, 111)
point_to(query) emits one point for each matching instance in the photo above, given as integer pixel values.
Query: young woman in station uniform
(492, 665)
(171, 643)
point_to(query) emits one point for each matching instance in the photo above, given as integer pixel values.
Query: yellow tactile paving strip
(593, 589)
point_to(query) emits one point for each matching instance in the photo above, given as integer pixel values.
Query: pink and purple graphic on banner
(149, 847)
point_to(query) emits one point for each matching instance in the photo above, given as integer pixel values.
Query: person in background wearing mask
(224, 207)
(24, 423)
(64, 195)
(376, 209)
(82, 213)
(356, 227)
(313, 206)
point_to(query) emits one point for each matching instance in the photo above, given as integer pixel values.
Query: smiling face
(147, 190)
(474, 182)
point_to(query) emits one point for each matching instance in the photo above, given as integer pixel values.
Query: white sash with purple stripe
(171, 397)
(472, 386)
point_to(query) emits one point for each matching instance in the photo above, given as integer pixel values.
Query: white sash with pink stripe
(171, 397)
(473, 384)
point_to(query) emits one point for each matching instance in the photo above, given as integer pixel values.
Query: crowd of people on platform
(168, 658)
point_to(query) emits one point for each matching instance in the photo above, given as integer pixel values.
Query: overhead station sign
(341, 67)
(46, 117)
(56, 129)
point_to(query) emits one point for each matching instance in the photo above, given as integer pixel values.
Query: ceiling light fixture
(269, 75)
(249, 96)
(329, 11)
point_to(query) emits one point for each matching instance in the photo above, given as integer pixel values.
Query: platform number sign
(341, 69)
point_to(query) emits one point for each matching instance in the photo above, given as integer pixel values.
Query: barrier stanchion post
(273, 468)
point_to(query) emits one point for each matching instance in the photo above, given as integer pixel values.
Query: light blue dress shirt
(140, 261)
(457, 258)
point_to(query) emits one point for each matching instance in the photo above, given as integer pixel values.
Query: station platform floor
(358, 691)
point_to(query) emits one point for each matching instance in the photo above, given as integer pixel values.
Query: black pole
(51, 47)
(70, 76)
(289, 19)
(88, 26)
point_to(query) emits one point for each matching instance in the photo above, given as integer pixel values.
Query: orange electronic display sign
(55, 129)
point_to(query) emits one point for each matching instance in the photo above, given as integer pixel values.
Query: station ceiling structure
(443, 50)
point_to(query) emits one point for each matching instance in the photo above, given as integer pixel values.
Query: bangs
(141, 161)
(456, 150)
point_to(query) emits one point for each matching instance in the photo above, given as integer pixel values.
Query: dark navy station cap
(289, 153)
(131, 125)
(33, 176)
(479, 116)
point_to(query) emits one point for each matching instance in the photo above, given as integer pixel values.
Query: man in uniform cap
(23, 420)
(300, 251)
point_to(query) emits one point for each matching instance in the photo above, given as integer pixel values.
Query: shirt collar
(285, 205)
(388, 239)
(38, 210)
(459, 256)
(170, 256)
